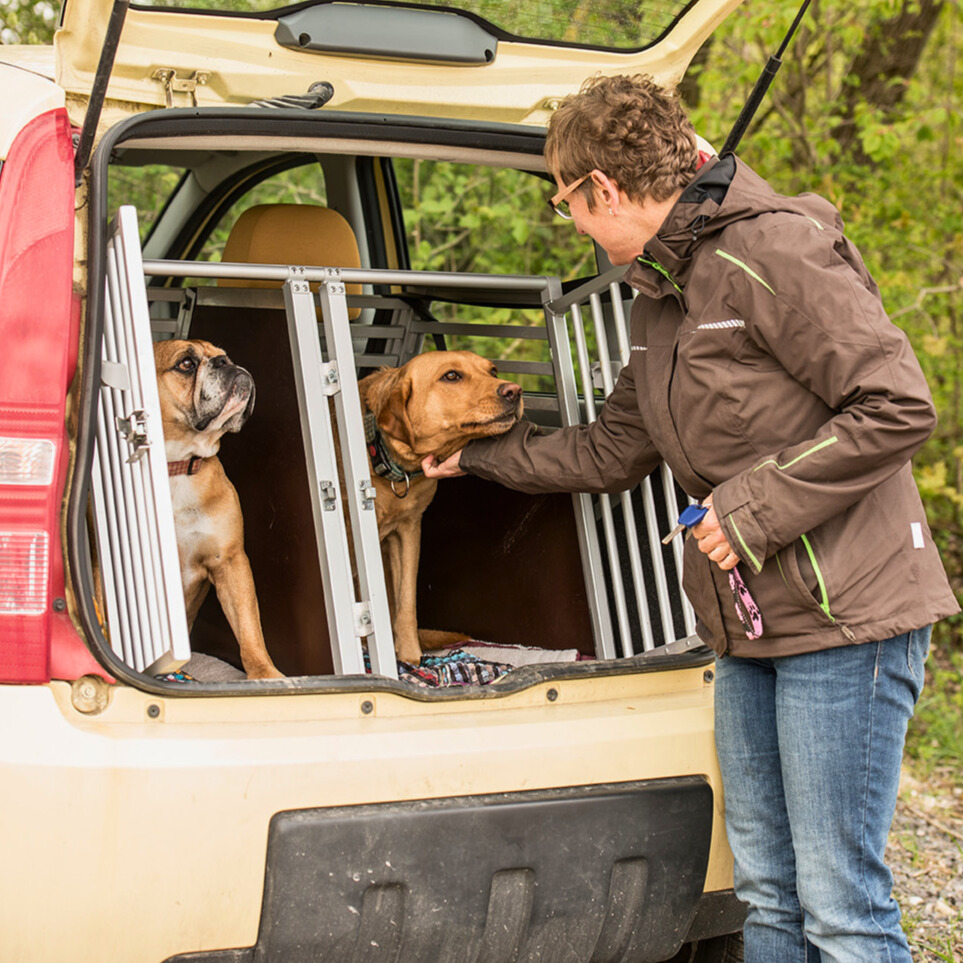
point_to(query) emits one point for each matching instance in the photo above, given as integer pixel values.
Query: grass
(934, 741)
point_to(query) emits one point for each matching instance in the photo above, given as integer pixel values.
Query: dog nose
(510, 392)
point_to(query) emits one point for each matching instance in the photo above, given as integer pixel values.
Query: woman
(766, 373)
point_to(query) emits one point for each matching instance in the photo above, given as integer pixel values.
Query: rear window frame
(498, 32)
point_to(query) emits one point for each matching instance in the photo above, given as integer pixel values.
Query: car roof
(26, 78)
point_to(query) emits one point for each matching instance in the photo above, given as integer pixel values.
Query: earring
(611, 212)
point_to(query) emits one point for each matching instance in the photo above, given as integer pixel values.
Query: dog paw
(265, 672)
(436, 639)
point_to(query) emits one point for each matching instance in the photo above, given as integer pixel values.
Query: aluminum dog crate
(632, 581)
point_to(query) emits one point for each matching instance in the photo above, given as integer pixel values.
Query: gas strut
(759, 91)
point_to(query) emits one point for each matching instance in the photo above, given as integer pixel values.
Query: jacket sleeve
(809, 301)
(610, 455)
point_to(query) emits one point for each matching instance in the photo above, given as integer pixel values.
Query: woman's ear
(607, 190)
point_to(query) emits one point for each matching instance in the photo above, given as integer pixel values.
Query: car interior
(495, 563)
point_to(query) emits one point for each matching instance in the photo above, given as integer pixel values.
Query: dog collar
(190, 466)
(382, 463)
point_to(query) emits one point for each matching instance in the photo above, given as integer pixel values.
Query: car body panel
(163, 800)
(240, 61)
(26, 77)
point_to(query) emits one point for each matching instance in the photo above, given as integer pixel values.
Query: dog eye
(494, 372)
(451, 376)
(187, 365)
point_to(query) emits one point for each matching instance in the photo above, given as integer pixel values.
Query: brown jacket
(764, 370)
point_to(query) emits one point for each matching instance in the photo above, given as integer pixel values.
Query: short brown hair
(631, 129)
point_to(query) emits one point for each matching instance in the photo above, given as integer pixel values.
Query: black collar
(382, 463)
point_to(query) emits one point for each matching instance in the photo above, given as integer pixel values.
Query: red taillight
(38, 335)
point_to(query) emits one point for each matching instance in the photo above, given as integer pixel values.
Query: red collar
(190, 466)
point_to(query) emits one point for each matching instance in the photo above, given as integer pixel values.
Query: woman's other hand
(712, 540)
(449, 468)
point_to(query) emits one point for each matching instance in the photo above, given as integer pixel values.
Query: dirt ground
(926, 856)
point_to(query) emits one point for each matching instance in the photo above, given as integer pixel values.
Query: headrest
(301, 234)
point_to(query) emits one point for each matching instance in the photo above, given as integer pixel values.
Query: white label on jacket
(639, 347)
(917, 529)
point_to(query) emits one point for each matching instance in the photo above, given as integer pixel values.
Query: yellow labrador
(434, 404)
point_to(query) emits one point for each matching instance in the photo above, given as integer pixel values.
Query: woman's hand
(449, 468)
(712, 540)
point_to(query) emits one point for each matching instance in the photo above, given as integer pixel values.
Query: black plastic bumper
(607, 873)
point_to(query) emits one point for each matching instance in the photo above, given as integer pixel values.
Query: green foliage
(28, 22)
(935, 737)
(489, 221)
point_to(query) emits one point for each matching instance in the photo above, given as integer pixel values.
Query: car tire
(720, 949)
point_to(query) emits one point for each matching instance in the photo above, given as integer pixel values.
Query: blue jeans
(810, 748)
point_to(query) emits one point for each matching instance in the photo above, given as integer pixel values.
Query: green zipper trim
(752, 558)
(824, 605)
(658, 267)
(781, 572)
(805, 454)
(746, 268)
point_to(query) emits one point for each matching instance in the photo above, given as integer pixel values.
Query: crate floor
(469, 663)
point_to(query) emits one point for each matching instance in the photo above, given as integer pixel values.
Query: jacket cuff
(732, 501)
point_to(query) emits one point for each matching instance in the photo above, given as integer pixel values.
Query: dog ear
(393, 417)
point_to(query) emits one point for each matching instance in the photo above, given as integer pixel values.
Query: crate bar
(280, 272)
(668, 481)
(625, 498)
(120, 403)
(473, 329)
(132, 508)
(605, 501)
(112, 539)
(326, 495)
(172, 649)
(151, 628)
(357, 470)
(589, 548)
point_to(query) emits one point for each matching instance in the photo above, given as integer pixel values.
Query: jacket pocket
(804, 577)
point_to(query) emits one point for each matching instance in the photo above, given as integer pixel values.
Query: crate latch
(182, 85)
(133, 429)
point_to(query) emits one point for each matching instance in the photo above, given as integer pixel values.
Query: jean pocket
(917, 649)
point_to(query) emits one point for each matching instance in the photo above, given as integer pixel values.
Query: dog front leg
(234, 584)
(404, 547)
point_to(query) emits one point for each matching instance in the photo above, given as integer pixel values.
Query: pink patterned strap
(746, 607)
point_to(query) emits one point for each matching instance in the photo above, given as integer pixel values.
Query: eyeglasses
(558, 203)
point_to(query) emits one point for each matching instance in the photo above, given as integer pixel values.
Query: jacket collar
(725, 190)
(692, 216)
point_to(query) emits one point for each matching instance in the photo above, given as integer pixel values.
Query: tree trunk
(883, 67)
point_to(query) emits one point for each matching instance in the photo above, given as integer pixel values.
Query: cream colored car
(550, 793)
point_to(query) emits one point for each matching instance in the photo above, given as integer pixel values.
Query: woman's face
(620, 226)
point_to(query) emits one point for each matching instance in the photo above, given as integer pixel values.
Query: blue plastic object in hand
(689, 516)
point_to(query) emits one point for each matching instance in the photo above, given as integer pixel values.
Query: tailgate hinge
(168, 77)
